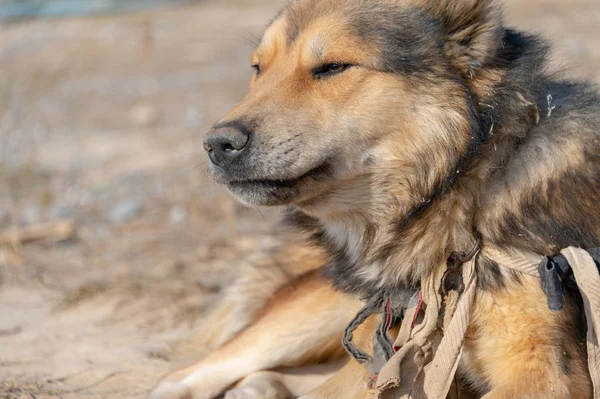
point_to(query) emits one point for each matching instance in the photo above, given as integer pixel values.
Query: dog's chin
(280, 192)
(265, 193)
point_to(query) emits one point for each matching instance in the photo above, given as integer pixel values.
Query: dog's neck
(385, 243)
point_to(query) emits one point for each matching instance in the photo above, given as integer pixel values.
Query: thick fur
(437, 125)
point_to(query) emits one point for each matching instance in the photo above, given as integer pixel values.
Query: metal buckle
(452, 279)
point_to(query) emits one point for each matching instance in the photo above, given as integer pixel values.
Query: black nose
(225, 144)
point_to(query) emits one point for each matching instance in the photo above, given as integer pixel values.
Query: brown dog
(397, 131)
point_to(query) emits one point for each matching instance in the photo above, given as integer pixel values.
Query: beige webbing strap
(526, 263)
(410, 317)
(586, 275)
(411, 373)
(439, 374)
(404, 370)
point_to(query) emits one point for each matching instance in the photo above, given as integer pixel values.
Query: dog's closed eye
(327, 70)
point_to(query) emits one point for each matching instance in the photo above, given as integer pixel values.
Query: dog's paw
(258, 391)
(171, 390)
(244, 393)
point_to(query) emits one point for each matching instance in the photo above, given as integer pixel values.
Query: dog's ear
(473, 31)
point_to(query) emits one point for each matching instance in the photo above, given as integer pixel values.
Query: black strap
(383, 347)
(392, 308)
(360, 356)
(556, 273)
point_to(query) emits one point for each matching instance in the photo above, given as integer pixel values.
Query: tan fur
(261, 277)
(511, 345)
(352, 380)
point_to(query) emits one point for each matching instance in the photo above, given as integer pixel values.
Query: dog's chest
(351, 267)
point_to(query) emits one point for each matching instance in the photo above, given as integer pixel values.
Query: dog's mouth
(315, 173)
(277, 191)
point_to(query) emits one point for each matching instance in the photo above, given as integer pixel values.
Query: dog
(397, 132)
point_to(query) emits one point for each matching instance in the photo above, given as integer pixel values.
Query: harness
(423, 360)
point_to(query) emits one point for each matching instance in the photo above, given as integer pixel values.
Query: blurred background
(114, 242)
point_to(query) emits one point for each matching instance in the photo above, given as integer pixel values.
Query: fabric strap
(414, 371)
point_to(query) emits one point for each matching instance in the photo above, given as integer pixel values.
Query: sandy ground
(101, 122)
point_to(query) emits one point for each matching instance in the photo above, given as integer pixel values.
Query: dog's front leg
(302, 325)
(352, 381)
(284, 383)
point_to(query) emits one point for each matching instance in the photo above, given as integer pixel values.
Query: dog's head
(348, 95)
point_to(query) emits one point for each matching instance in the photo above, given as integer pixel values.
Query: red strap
(388, 315)
(419, 306)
